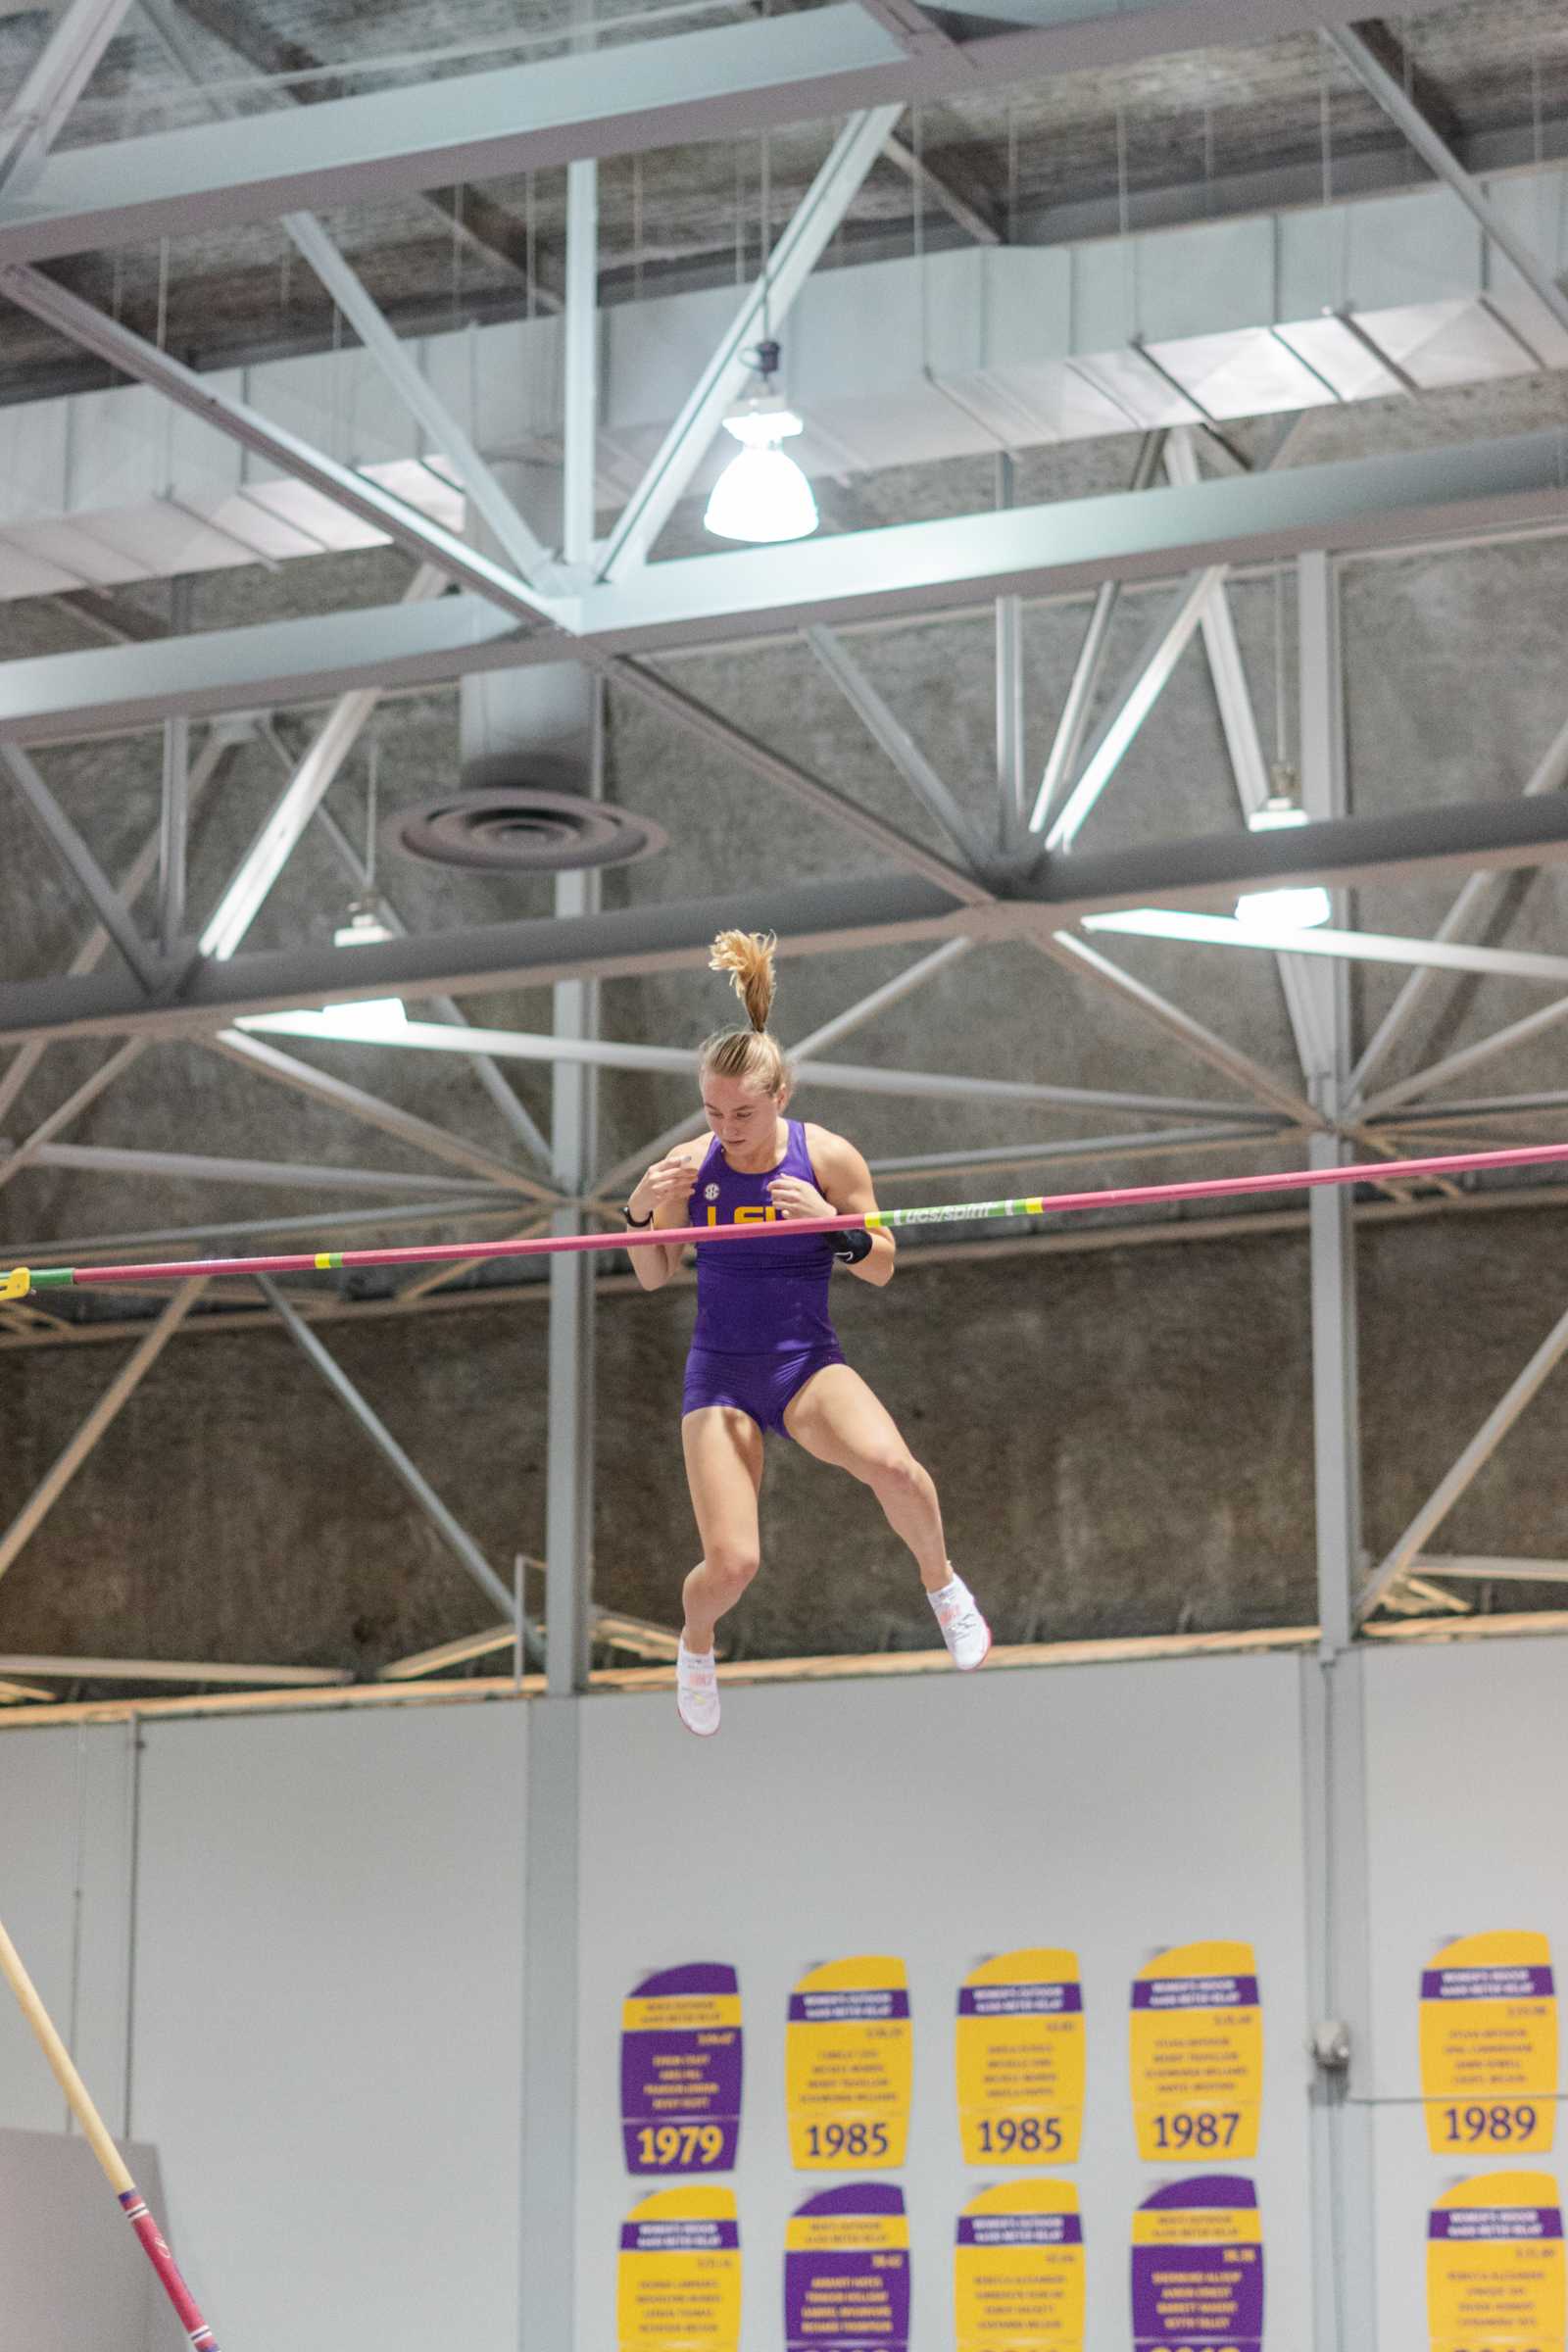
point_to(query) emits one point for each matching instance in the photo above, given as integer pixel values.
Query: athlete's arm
(666, 1190)
(846, 1188)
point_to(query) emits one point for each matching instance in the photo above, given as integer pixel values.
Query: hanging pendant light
(762, 494)
(1302, 909)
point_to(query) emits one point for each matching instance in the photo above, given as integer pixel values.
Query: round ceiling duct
(521, 829)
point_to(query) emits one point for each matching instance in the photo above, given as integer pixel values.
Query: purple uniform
(762, 1322)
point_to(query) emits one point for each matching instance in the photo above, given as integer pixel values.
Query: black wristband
(850, 1247)
(639, 1222)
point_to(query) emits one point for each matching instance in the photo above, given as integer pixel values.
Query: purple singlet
(763, 1323)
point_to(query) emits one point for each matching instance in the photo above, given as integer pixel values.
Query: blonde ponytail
(752, 1054)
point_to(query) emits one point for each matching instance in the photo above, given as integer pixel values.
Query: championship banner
(849, 2065)
(679, 2288)
(1019, 2047)
(1198, 2268)
(1488, 2046)
(1196, 2054)
(846, 2272)
(680, 2071)
(1495, 2265)
(1018, 2270)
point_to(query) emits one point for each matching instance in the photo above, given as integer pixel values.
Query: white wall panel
(1111, 1810)
(328, 2022)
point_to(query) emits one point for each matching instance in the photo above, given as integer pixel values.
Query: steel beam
(201, 1167)
(70, 1251)
(1251, 1075)
(809, 917)
(1303, 1004)
(891, 735)
(526, 554)
(577, 1049)
(1168, 638)
(37, 114)
(1338, 947)
(974, 221)
(254, 1053)
(1072, 725)
(1468, 1058)
(1481, 1446)
(717, 83)
(708, 726)
(22, 1154)
(179, 1670)
(516, 1113)
(465, 1550)
(761, 310)
(580, 384)
(1465, 1568)
(1462, 919)
(41, 1501)
(1097, 1147)
(132, 882)
(427, 541)
(311, 780)
(1441, 159)
(82, 867)
(1422, 497)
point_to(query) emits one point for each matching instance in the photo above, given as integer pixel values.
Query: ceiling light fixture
(1299, 909)
(763, 496)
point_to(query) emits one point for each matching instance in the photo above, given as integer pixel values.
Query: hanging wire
(1124, 219)
(1281, 744)
(163, 294)
(1013, 170)
(1208, 157)
(637, 227)
(918, 138)
(530, 243)
(372, 786)
(740, 216)
(457, 250)
(765, 208)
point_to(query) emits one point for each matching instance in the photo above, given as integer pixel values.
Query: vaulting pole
(96, 2133)
(17, 1281)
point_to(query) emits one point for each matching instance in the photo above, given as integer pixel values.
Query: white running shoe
(963, 1629)
(697, 1691)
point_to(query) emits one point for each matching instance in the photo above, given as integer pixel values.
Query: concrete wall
(1122, 1442)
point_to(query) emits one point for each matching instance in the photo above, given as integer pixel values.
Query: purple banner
(1487, 1984)
(680, 2085)
(834, 2008)
(679, 2237)
(1194, 1992)
(1020, 2000)
(1198, 2295)
(1020, 2230)
(1496, 2222)
(848, 2298)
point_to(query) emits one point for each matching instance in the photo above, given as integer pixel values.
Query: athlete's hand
(792, 1197)
(669, 1184)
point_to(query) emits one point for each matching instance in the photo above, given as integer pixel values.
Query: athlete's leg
(724, 1470)
(837, 1417)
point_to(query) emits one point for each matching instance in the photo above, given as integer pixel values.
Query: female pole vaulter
(765, 1354)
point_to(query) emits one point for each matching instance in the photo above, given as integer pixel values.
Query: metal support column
(1334, 1741)
(174, 811)
(575, 1155)
(1012, 789)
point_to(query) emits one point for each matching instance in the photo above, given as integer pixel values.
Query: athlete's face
(742, 1116)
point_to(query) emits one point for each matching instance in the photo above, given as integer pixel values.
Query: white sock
(949, 1590)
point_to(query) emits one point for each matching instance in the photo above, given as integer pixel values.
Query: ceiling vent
(521, 829)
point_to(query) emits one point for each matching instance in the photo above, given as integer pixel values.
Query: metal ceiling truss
(1423, 498)
(723, 82)
(819, 917)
